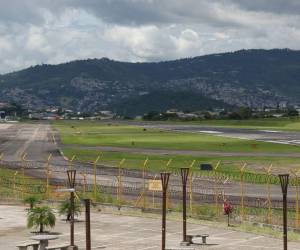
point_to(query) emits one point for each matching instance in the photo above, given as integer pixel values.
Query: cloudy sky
(53, 31)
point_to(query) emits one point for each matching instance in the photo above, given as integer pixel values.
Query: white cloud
(34, 31)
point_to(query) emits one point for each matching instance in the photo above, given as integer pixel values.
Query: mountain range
(254, 78)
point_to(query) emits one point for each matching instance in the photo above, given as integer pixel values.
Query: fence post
(47, 175)
(23, 159)
(168, 193)
(95, 176)
(191, 179)
(119, 189)
(70, 161)
(15, 188)
(216, 188)
(242, 171)
(297, 197)
(268, 172)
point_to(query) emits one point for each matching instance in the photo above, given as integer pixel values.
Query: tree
(32, 201)
(40, 217)
(65, 209)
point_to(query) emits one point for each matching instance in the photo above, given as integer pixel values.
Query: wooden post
(184, 177)
(164, 180)
(284, 181)
(88, 223)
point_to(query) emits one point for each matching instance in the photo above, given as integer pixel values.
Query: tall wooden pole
(284, 181)
(71, 178)
(88, 223)
(184, 177)
(164, 181)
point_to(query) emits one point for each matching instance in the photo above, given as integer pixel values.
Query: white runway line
(210, 132)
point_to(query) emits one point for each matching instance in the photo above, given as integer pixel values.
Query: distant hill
(244, 78)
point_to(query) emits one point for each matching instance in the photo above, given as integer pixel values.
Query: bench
(62, 247)
(189, 238)
(25, 245)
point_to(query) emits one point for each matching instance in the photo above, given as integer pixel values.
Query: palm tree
(65, 209)
(41, 217)
(32, 201)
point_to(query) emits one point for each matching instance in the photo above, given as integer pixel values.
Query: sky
(55, 31)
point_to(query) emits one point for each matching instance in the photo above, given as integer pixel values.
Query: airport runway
(283, 137)
(38, 141)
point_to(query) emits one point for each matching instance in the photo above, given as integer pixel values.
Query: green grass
(99, 134)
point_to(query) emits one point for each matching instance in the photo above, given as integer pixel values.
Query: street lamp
(284, 181)
(184, 177)
(164, 181)
(71, 179)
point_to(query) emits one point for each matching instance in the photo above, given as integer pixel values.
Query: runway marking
(210, 132)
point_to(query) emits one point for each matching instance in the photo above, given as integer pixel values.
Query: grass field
(101, 134)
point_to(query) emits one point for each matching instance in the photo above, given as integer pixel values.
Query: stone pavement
(120, 232)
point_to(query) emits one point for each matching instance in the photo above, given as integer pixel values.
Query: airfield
(115, 229)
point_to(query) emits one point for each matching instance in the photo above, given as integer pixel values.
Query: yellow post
(71, 162)
(168, 191)
(144, 183)
(216, 187)
(84, 182)
(242, 171)
(191, 179)
(297, 198)
(95, 176)
(47, 175)
(15, 188)
(153, 194)
(23, 158)
(268, 172)
(119, 189)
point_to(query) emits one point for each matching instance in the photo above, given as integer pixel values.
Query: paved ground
(120, 232)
